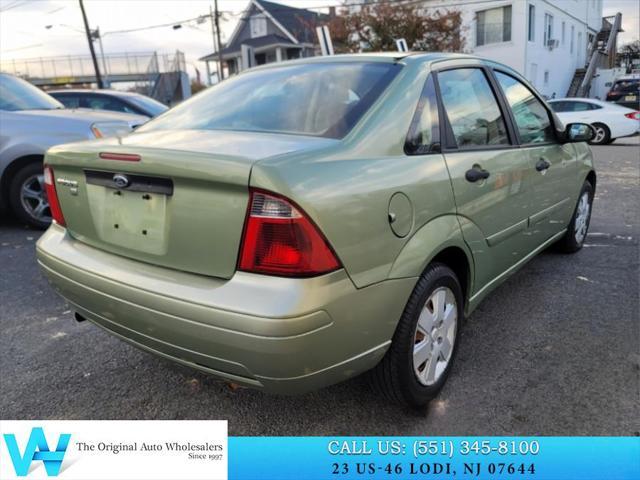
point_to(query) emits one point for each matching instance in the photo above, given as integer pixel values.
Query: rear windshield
(631, 85)
(322, 99)
(148, 104)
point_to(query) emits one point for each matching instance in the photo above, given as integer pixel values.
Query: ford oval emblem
(121, 181)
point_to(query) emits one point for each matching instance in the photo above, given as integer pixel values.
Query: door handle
(476, 173)
(542, 165)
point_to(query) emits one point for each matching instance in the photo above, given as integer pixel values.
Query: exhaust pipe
(78, 317)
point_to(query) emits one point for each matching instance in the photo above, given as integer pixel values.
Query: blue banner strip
(535, 458)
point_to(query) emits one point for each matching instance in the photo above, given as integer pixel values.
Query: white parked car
(610, 121)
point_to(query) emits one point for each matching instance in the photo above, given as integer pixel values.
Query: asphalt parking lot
(554, 351)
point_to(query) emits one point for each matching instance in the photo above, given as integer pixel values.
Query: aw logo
(37, 449)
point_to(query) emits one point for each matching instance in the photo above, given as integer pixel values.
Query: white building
(544, 40)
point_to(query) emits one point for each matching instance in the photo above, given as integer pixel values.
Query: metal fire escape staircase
(602, 52)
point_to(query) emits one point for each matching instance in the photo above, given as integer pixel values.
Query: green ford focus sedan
(307, 221)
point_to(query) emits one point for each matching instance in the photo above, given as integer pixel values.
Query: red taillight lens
(279, 239)
(633, 115)
(52, 196)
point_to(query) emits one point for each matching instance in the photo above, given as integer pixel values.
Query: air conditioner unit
(552, 43)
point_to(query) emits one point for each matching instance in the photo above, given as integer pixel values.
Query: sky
(24, 32)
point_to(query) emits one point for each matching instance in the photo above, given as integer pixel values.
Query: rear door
(554, 175)
(491, 177)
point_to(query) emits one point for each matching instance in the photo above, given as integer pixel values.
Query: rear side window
(472, 108)
(532, 118)
(573, 106)
(424, 134)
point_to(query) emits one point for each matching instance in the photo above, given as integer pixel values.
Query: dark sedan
(626, 93)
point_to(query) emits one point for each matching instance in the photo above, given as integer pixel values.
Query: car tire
(28, 198)
(602, 136)
(437, 304)
(576, 234)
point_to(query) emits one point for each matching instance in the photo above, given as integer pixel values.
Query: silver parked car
(112, 100)
(32, 121)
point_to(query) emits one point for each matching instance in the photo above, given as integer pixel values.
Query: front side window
(493, 26)
(472, 108)
(424, 133)
(321, 99)
(532, 118)
(105, 103)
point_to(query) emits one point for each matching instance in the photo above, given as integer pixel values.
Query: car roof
(382, 57)
(104, 91)
(579, 99)
(590, 100)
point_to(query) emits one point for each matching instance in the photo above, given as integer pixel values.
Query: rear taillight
(279, 239)
(52, 196)
(633, 115)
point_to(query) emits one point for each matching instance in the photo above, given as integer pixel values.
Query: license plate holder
(133, 220)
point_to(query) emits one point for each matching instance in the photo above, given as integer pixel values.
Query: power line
(15, 4)
(286, 8)
(22, 48)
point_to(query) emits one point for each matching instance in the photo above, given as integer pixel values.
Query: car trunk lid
(174, 198)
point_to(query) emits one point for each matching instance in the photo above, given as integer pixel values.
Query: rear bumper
(282, 335)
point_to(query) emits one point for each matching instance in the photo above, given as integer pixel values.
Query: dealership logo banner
(113, 450)
(441, 458)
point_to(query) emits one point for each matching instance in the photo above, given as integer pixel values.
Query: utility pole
(105, 79)
(216, 46)
(90, 40)
(217, 13)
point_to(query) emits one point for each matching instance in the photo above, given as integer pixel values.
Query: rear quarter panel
(346, 189)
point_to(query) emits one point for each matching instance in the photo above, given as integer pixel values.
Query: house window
(532, 23)
(533, 73)
(258, 24)
(580, 46)
(573, 34)
(546, 77)
(493, 26)
(548, 28)
(563, 32)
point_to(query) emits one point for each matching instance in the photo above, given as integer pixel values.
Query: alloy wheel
(582, 218)
(435, 336)
(600, 135)
(33, 197)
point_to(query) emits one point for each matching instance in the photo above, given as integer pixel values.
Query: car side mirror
(579, 132)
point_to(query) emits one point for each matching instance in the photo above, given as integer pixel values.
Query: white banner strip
(114, 450)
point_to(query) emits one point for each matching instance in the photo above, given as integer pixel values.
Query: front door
(491, 177)
(555, 164)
